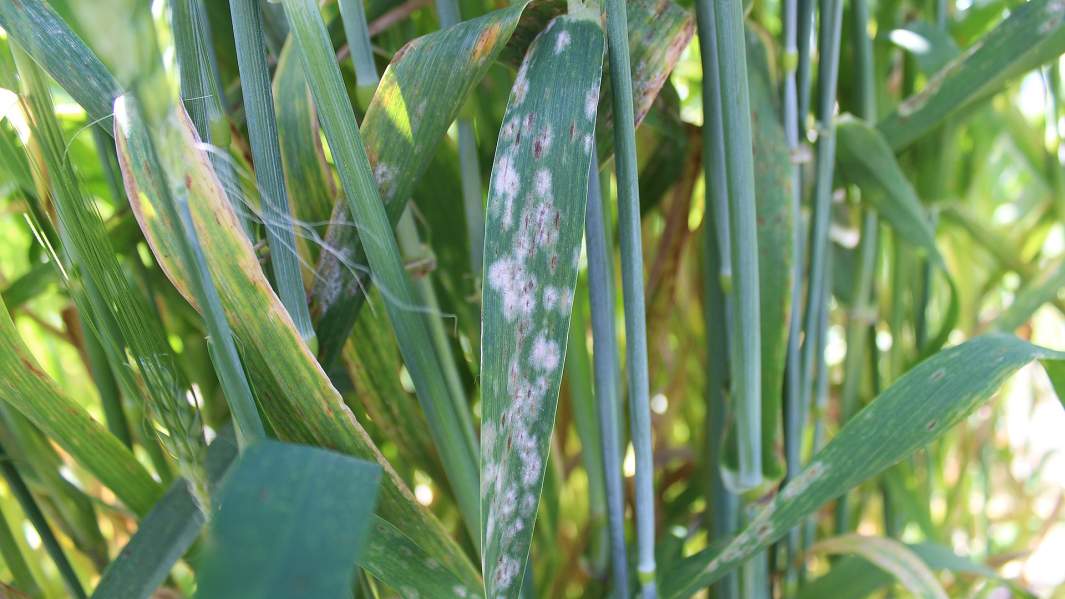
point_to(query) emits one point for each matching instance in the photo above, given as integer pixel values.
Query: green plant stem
(818, 288)
(353, 15)
(36, 517)
(794, 414)
(607, 375)
(266, 154)
(632, 289)
(745, 349)
(106, 385)
(724, 504)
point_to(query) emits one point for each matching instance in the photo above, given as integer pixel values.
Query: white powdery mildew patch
(591, 103)
(545, 354)
(521, 85)
(800, 483)
(542, 142)
(587, 143)
(542, 183)
(506, 571)
(506, 184)
(561, 41)
(513, 282)
(550, 297)
(460, 591)
(384, 174)
(528, 505)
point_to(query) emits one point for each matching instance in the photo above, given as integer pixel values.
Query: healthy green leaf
(288, 521)
(925, 402)
(535, 222)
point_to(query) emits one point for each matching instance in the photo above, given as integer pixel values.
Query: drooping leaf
(925, 402)
(293, 391)
(534, 226)
(288, 521)
(1031, 35)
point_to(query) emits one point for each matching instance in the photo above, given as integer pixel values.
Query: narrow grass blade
(1031, 35)
(164, 534)
(535, 220)
(29, 390)
(302, 154)
(288, 521)
(36, 517)
(854, 578)
(891, 556)
(122, 320)
(194, 51)
(269, 174)
(42, 32)
(1030, 298)
(22, 576)
(360, 182)
(295, 393)
(400, 139)
(925, 402)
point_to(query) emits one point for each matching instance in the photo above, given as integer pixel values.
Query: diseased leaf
(534, 227)
(293, 391)
(925, 402)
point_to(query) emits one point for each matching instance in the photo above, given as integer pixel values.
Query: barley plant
(647, 298)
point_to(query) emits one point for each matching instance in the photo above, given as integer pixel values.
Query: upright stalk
(817, 294)
(794, 414)
(262, 133)
(632, 289)
(745, 357)
(449, 15)
(353, 16)
(605, 356)
(724, 504)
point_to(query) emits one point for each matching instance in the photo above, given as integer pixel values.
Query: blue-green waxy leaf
(925, 402)
(534, 225)
(289, 521)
